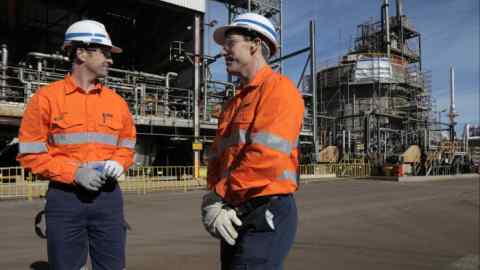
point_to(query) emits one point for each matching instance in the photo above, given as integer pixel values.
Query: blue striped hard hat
(89, 31)
(253, 22)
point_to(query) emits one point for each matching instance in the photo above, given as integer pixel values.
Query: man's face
(98, 59)
(237, 53)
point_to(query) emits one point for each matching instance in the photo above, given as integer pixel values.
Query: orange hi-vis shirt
(255, 149)
(64, 127)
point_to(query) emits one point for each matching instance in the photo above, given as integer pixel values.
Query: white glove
(224, 225)
(219, 219)
(112, 169)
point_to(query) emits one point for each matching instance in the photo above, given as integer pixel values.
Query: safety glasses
(106, 51)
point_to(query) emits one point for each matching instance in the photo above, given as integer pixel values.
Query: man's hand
(219, 219)
(112, 169)
(88, 178)
(225, 224)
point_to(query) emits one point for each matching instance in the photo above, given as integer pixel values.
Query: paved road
(344, 224)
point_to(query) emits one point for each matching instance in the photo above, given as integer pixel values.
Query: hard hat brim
(219, 36)
(116, 49)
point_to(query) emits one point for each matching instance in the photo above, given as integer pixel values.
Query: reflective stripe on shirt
(32, 148)
(84, 137)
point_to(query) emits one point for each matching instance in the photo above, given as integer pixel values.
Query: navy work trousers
(265, 238)
(80, 222)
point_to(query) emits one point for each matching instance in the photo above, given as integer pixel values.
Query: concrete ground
(344, 224)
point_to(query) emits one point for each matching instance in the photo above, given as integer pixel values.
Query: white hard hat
(253, 22)
(89, 31)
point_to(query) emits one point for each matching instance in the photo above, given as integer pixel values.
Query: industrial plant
(373, 106)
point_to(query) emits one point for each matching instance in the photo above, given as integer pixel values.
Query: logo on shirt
(106, 117)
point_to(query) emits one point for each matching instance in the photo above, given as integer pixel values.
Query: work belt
(247, 207)
(109, 185)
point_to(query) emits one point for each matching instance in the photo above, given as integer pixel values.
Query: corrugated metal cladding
(198, 5)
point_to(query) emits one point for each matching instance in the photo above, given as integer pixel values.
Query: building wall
(197, 5)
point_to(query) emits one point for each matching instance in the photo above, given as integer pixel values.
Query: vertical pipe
(387, 28)
(282, 29)
(399, 8)
(426, 135)
(354, 109)
(349, 143)
(167, 92)
(343, 142)
(466, 135)
(452, 94)
(4, 70)
(196, 124)
(420, 53)
(382, 20)
(366, 136)
(135, 106)
(452, 113)
(205, 89)
(313, 83)
(400, 23)
(385, 146)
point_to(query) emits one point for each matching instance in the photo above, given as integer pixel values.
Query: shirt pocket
(67, 123)
(110, 122)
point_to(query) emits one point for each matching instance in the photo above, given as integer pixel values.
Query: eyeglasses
(106, 51)
(230, 42)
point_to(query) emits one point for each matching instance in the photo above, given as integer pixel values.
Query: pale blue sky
(450, 36)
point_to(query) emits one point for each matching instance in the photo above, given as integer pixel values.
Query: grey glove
(90, 179)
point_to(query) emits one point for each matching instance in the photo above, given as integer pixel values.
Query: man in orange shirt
(252, 169)
(80, 135)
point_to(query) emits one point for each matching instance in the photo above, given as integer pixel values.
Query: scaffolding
(377, 94)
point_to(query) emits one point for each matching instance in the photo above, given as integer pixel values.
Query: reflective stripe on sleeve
(32, 148)
(272, 141)
(289, 175)
(128, 143)
(269, 140)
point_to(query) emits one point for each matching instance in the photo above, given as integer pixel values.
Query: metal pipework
(196, 91)
(386, 23)
(399, 5)
(452, 92)
(313, 75)
(139, 74)
(166, 96)
(28, 84)
(55, 57)
(452, 114)
(4, 70)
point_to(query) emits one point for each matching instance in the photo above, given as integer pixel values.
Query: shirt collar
(70, 85)
(260, 77)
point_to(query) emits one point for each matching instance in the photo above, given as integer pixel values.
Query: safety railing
(351, 169)
(442, 170)
(16, 182)
(150, 179)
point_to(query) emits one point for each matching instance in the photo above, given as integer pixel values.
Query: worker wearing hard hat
(80, 134)
(252, 170)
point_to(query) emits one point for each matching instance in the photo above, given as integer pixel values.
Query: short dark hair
(71, 50)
